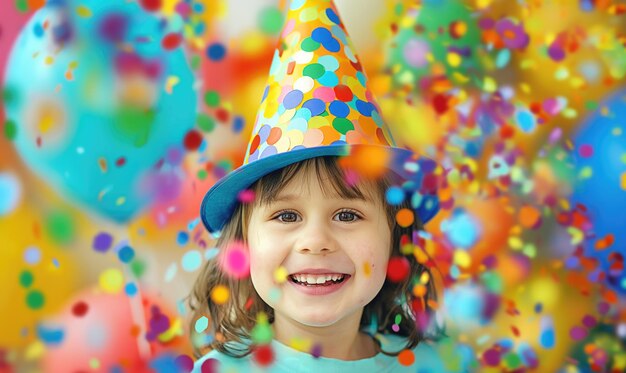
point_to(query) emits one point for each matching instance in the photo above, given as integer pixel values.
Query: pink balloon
(104, 331)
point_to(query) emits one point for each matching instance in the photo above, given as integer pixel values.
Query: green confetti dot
(206, 123)
(138, 267)
(26, 279)
(9, 94)
(35, 299)
(21, 5)
(343, 125)
(212, 98)
(195, 62)
(202, 174)
(591, 105)
(60, 227)
(10, 130)
(314, 71)
(271, 20)
(512, 360)
(94, 363)
(309, 45)
(262, 332)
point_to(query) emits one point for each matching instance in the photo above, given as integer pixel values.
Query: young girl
(335, 241)
(327, 212)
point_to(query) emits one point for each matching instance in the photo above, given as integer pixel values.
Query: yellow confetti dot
(405, 217)
(280, 275)
(623, 181)
(489, 85)
(220, 294)
(454, 59)
(424, 278)
(73, 65)
(170, 83)
(120, 201)
(49, 60)
(111, 281)
(83, 11)
(462, 258)
(367, 269)
(515, 243)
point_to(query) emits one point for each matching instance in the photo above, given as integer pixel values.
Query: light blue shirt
(289, 360)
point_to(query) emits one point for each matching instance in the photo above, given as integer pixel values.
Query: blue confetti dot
(293, 99)
(50, 335)
(238, 124)
(38, 30)
(330, 13)
(182, 238)
(365, 108)
(130, 289)
(526, 120)
(332, 45)
(126, 254)
(394, 195)
(216, 51)
(461, 229)
(321, 35)
(339, 109)
(315, 106)
(32, 255)
(329, 79)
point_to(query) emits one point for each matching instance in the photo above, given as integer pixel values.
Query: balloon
(99, 90)
(438, 37)
(102, 332)
(600, 154)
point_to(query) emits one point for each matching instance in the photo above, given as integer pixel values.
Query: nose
(316, 237)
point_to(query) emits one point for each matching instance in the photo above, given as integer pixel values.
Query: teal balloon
(98, 99)
(436, 28)
(600, 151)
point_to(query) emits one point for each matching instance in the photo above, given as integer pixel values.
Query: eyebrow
(292, 197)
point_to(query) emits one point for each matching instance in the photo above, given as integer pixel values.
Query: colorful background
(117, 118)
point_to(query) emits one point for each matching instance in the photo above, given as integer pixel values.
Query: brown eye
(347, 216)
(288, 217)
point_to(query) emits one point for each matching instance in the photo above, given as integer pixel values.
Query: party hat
(316, 103)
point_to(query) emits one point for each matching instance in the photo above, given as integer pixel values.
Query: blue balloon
(600, 154)
(98, 100)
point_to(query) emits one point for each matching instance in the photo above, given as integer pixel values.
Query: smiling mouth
(318, 280)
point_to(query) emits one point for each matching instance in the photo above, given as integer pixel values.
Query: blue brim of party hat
(221, 200)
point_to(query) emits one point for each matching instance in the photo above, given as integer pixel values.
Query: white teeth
(315, 279)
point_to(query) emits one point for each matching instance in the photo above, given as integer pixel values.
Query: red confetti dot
(585, 150)
(264, 355)
(222, 115)
(440, 104)
(120, 162)
(80, 309)
(151, 5)
(343, 93)
(398, 268)
(171, 41)
(193, 140)
(210, 366)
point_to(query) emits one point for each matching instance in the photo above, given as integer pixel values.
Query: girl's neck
(342, 341)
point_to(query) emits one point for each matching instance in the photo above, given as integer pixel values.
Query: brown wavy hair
(234, 320)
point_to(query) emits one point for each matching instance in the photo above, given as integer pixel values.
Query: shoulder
(215, 361)
(426, 356)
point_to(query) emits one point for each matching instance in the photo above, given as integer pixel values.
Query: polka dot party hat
(316, 103)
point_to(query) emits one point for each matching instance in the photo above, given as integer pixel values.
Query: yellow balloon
(37, 276)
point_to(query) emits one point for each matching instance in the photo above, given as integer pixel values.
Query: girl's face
(335, 251)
